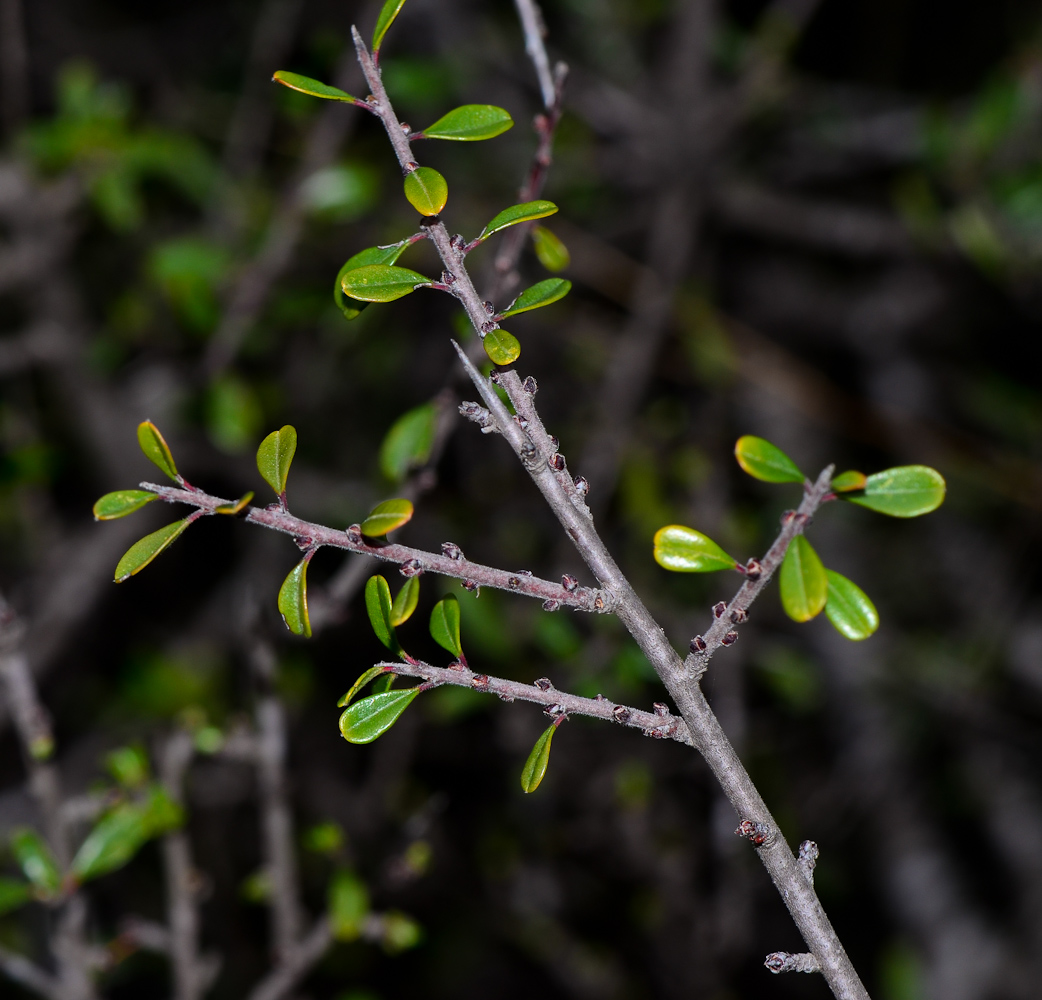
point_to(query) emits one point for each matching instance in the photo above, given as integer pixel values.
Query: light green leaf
(405, 602)
(115, 839)
(363, 680)
(400, 932)
(849, 608)
(348, 905)
(144, 550)
(381, 282)
(469, 123)
(315, 88)
(378, 605)
(847, 481)
(384, 19)
(37, 862)
(13, 894)
(526, 212)
(293, 600)
(364, 258)
(542, 294)
(426, 190)
(552, 253)
(156, 449)
(161, 812)
(535, 767)
(408, 442)
(905, 491)
(121, 503)
(128, 765)
(365, 720)
(387, 516)
(232, 509)
(685, 550)
(502, 347)
(445, 625)
(384, 683)
(275, 456)
(763, 460)
(802, 581)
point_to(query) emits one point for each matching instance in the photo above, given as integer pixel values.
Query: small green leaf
(144, 550)
(535, 767)
(685, 550)
(502, 347)
(115, 839)
(13, 894)
(378, 605)
(348, 905)
(802, 581)
(128, 765)
(762, 460)
(905, 491)
(408, 442)
(235, 508)
(426, 190)
(847, 481)
(121, 503)
(365, 720)
(400, 932)
(526, 212)
(445, 625)
(275, 456)
(37, 862)
(381, 283)
(849, 608)
(156, 449)
(384, 683)
(405, 602)
(363, 680)
(469, 123)
(552, 253)
(542, 294)
(384, 19)
(364, 258)
(314, 88)
(387, 516)
(293, 600)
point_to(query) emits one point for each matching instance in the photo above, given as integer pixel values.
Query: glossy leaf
(384, 19)
(502, 347)
(368, 718)
(293, 600)
(348, 905)
(408, 442)
(13, 893)
(469, 123)
(849, 608)
(381, 282)
(542, 294)
(685, 550)
(847, 481)
(238, 507)
(802, 581)
(156, 449)
(387, 516)
(535, 767)
(115, 839)
(314, 88)
(359, 684)
(905, 491)
(364, 258)
(763, 460)
(426, 190)
(384, 683)
(275, 456)
(444, 625)
(526, 212)
(121, 503)
(37, 862)
(378, 606)
(405, 601)
(549, 249)
(144, 550)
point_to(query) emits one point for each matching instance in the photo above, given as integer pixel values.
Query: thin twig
(535, 33)
(281, 980)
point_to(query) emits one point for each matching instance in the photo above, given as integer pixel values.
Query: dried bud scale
(530, 385)
(569, 582)
(582, 485)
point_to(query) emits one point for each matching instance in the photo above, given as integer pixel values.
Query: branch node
(783, 961)
(411, 567)
(730, 639)
(760, 834)
(452, 550)
(622, 714)
(530, 385)
(719, 608)
(569, 582)
(543, 683)
(739, 615)
(697, 645)
(551, 605)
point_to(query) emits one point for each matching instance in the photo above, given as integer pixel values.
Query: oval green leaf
(426, 190)
(13, 894)
(121, 503)
(905, 491)
(542, 294)
(405, 601)
(408, 442)
(381, 282)
(502, 347)
(144, 550)
(470, 123)
(535, 767)
(387, 516)
(364, 258)
(763, 460)
(275, 456)
(371, 717)
(849, 608)
(526, 212)
(847, 481)
(115, 839)
(348, 905)
(156, 449)
(549, 249)
(685, 550)
(293, 600)
(235, 508)
(445, 625)
(378, 606)
(315, 88)
(359, 684)
(802, 581)
(388, 12)
(37, 862)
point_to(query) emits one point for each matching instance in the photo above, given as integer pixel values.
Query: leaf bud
(556, 462)
(493, 376)
(661, 709)
(411, 567)
(452, 550)
(354, 532)
(543, 683)
(524, 572)
(787, 516)
(406, 128)
(730, 639)
(520, 421)
(553, 711)
(739, 615)
(753, 569)
(530, 385)
(758, 833)
(622, 714)
(479, 681)
(554, 443)
(698, 645)
(448, 278)
(718, 609)
(582, 485)
(470, 585)
(487, 327)
(569, 582)
(551, 605)
(490, 307)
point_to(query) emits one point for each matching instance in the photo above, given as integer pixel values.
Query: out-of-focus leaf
(13, 894)
(685, 550)
(365, 720)
(156, 449)
(847, 481)
(121, 503)
(802, 581)
(400, 932)
(552, 253)
(293, 600)
(342, 192)
(426, 190)
(189, 271)
(115, 839)
(363, 680)
(526, 212)
(378, 605)
(381, 282)
(388, 12)
(469, 123)
(144, 550)
(387, 516)
(849, 609)
(405, 601)
(904, 491)
(763, 460)
(408, 442)
(502, 347)
(129, 766)
(275, 456)
(364, 258)
(314, 88)
(234, 508)
(233, 414)
(535, 767)
(444, 625)
(325, 838)
(348, 903)
(542, 294)
(37, 862)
